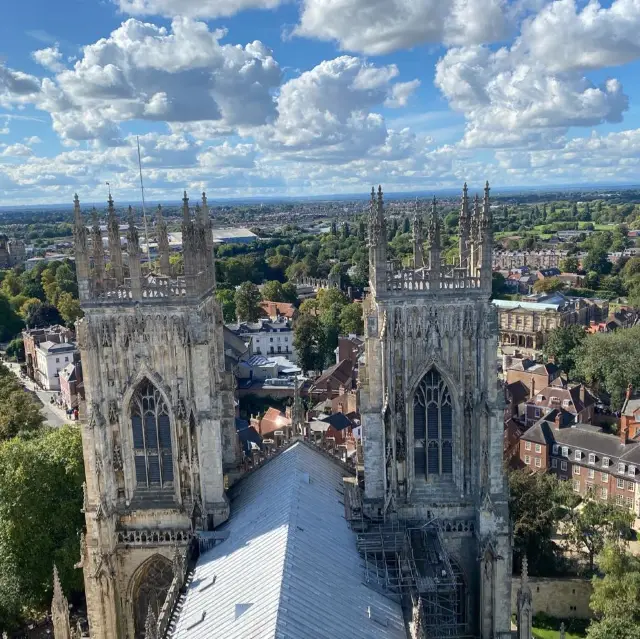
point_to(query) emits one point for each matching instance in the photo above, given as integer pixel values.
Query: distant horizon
(338, 197)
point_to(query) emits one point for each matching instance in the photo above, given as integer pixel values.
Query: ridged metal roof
(289, 568)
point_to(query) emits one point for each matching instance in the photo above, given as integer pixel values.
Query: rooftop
(53, 347)
(289, 567)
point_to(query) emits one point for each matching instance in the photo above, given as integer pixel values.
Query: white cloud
(565, 38)
(507, 96)
(327, 112)
(17, 87)
(401, 92)
(378, 27)
(192, 8)
(16, 150)
(33, 139)
(142, 71)
(4, 130)
(49, 58)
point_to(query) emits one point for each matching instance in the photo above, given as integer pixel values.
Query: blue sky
(270, 97)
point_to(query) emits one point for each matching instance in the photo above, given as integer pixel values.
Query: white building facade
(51, 359)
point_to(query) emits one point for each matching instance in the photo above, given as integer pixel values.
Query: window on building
(631, 486)
(605, 462)
(632, 470)
(555, 449)
(433, 426)
(619, 482)
(577, 455)
(279, 348)
(527, 460)
(271, 339)
(619, 500)
(592, 458)
(605, 478)
(565, 451)
(621, 467)
(628, 502)
(591, 473)
(151, 437)
(576, 485)
(604, 493)
(57, 360)
(538, 448)
(563, 465)
(538, 462)
(554, 463)
(590, 490)
(271, 349)
(527, 445)
(66, 359)
(576, 470)
(565, 402)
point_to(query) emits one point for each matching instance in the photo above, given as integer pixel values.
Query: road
(53, 416)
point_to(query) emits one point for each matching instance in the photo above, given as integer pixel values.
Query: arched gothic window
(432, 427)
(153, 585)
(151, 437)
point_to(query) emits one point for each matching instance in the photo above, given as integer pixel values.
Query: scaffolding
(408, 562)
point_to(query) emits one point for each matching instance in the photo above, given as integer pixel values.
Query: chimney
(629, 391)
(557, 422)
(533, 387)
(624, 430)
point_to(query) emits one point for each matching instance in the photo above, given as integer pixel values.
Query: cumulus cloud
(17, 87)
(401, 92)
(33, 139)
(49, 58)
(328, 111)
(507, 97)
(377, 27)
(566, 38)
(192, 8)
(16, 150)
(142, 71)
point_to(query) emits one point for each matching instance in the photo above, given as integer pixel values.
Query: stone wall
(560, 598)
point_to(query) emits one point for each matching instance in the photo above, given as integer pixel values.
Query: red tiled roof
(273, 309)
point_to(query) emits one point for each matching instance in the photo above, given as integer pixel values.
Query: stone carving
(117, 459)
(85, 498)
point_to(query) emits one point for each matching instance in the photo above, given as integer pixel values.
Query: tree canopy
(247, 299)
(40, 518)
(561, 343)
(19, 410)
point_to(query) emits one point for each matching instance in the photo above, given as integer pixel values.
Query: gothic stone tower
(159, 431)
(431, 413)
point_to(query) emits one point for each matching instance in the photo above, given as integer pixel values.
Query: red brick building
(599, 464)
(33, 337)
(576, 402)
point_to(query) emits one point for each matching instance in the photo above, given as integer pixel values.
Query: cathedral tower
(431, 413)
(159, 433)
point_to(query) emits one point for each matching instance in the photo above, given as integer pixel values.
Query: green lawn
(539, 633)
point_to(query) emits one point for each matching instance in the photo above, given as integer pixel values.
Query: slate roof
(289, 568)
(338, 375)
(584, 437)
(338, 420)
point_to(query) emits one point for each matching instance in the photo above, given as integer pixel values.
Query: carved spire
(178, 565)
(434, 241)
(188, 232)
(524, 603)
(418, 238)
(150, 625)
(81, 250)
(486, 208)
(563, 632)
(133, 249)
(115, 249)
(98, 249)
(133, 237)
(59, 609)
(377, 241)
(163, 242)
(206, 223)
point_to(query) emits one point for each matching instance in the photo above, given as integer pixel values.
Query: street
(53, 416)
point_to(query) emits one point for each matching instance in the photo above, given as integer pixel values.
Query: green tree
(247, 299)
(40, 519)
(615, 599)
(289, 293)
(69, 308)
(570, 264)
(226, 299)
(561, 345)
(597, 260)
(10, 322)
(538, 501)
(273, 292)
(19, 410)
(595, 524)
(548, 285)
(498, 284)
(609, 362)
(351, 319)
(43, 314)
(15, 349)
(308, 340)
